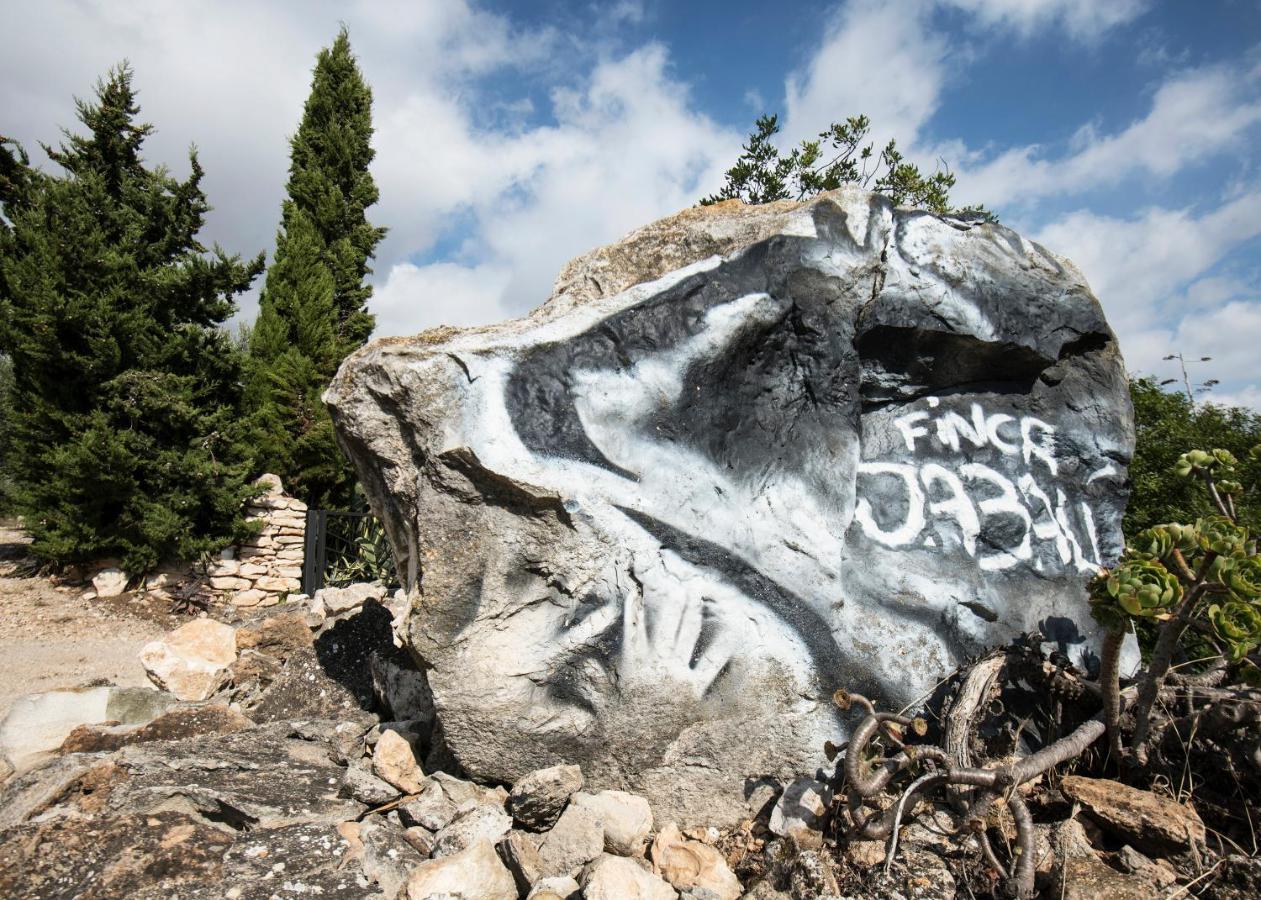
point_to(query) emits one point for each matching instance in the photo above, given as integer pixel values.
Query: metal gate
(344, 547)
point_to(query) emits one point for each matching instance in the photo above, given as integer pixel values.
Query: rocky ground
(296, 754)
(50, 637)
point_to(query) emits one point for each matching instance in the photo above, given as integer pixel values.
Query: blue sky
(511, 137)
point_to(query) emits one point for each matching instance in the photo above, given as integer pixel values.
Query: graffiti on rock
(1021, 495)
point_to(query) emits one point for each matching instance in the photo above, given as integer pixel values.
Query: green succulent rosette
(1238, 624)
(1229, 487)
(1219, 462)
(1159, 541)
(1144, 588)
(1243, 576)
(1220, 535)
(1192, 461)
(1102, 605)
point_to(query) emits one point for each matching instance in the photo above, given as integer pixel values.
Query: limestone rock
(420, 838)
(275, 584)
(175, 723)
(400, 689)
(271, 484)
(575, 840)
(1158, 871)
(37, 724)
(538, 799)
(251, 597)
(627, 819)
(109, 582)
(302, 689)
(690, 864)
(798, 813)
(231, 583)
(521, 856)
(278, 635)
(1078, 873)
(190, 661)
(472, 874)
(336, 601)
(431, 810)
(865, 854)
(619, 878)
(1145, 819)
(109, 857)
(559, 888)
(387, 855)
(470, 825)
(461, 791)
(743, 457)
(359, 782)
(394, 761)
(916, 873)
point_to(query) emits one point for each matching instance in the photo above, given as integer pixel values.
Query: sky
(512, 137)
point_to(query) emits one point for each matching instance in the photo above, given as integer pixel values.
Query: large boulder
(742, 458)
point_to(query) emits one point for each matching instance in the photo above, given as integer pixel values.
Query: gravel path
(51, 638)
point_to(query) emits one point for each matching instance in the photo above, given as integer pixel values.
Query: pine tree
(313, 307)
(126, 389)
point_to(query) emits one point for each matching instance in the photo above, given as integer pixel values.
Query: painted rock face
(742, 458)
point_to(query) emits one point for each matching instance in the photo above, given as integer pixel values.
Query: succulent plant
(1159, 541)
(1243, 576)
(1218, 462)
(1238, 624)
(1220, 535)
(1144, 588)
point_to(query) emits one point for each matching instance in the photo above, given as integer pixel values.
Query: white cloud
(1136, 266)
(1139, 268)
(1085, 19)
(626, 148)
(442, 292)
(1248, 397)
(1194, 114)
(877, 58)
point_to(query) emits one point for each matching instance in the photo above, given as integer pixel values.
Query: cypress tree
(125, 387)
(312, 312)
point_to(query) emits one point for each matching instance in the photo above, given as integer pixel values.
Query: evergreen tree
(313, 307)
(840, 155)
(125, 388)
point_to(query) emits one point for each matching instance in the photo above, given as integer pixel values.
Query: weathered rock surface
(537, 800)
(38, 723)
(798, 813)
(210, 816)
(470, 825)
(575, 840)
(472, 874)
(521, 855)
(561, 888)
(690, 865)
(619, 878)
(394, 761)
(739, 459)
(627, 819)
(110, 582)
(432, 810)
(192, 660)
(1141, 817)
(171, 725)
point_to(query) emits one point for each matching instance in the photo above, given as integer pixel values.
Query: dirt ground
(51, 638)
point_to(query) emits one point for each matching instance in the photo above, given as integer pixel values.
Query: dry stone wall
(268, 566)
